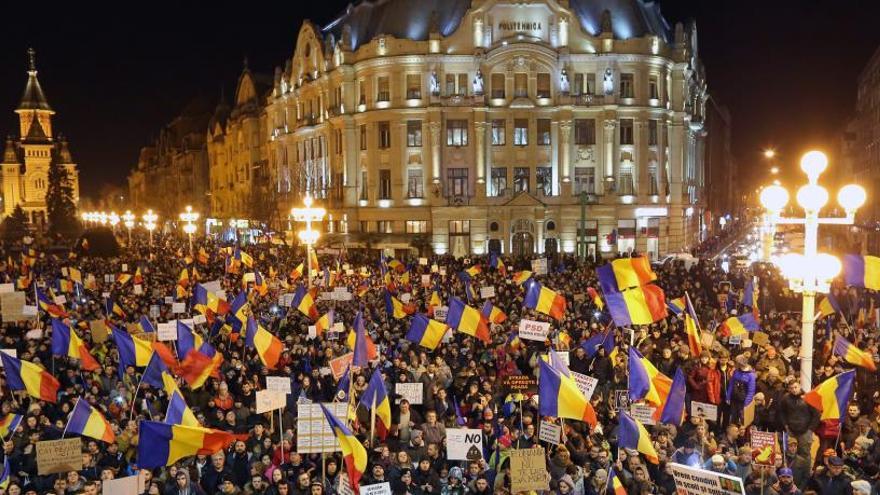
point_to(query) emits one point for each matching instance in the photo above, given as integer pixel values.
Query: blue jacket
(748, 377)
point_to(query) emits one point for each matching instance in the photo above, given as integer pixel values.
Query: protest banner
(528, 470)
(519, 383)
(708, 412)
(763, 444)
(270, 400)
(550, 432)
(339, 365)
(643, 413)
(694, 481)
(464, 444)
(278, 384)
(313, 433)
(586, 384)
(533, 330)
(487, 292)
(412, 392)
(59, 456)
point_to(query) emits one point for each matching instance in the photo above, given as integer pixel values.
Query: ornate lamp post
(189, 217)
(128, 221)
(308, 236)
(113, 220)
(810, 272)
(150, 219)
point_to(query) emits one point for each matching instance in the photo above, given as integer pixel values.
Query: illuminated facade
(521, 127)
(26, 160)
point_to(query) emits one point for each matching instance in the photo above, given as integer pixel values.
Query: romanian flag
(132, 350)
(75, 275)
(65, 342)
(692, 328)
(672, 412)
(268, 346)
(85, 420)
(9, 423)
(178, 413)
(363, 288)
(469, 292)
(361, 344)
(862, 271)
(244, 258)
(183, 278)
(560, 397)
(112, 308)
(324, 323)
(604, 340)
(544, 300)
(639, 306)
(393, 306)
(467, 320)
(597, 300)
(614, 486)
(375, 398)
(7, 471)
(123, 278)
(187, 339)
(396, 265)
(297, 272)
(313, 263)
(305, 302)
(852, 354)
(65, 285)
(197, 367)
(750, 295)
(633, 435)
(831, 397)
(496, 263)
(645, 382)
(237, 316)
(162, 444)
(138, 276)
(625, 273)
(153, 373)
(739, 325)
(146, 325)
(207, 303)
(25, 375)
(426, 332)
(492, 313)
(353, 451)
(203, 256)
(49, 306)
(676, 305)
(828, 306)
(520, 278)
(470, 273)
(260, 284)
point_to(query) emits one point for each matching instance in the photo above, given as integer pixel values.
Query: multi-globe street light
(150, 219)
(189, 217)
(308, 236)
(128, 220)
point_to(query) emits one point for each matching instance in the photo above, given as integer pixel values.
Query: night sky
(787, 69)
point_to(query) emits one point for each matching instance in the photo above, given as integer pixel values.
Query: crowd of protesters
(463, 380)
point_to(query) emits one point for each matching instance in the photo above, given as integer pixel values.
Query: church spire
(33, 97)
(9, 154)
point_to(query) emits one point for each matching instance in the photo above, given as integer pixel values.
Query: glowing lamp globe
(814, 163)
(812, 197)
(825, 266)
(774, 198)
(791, 265)
(851, 197)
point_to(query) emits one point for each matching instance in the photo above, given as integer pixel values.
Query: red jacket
(713, 386)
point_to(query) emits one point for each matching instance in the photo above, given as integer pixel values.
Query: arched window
(493, 227)
(551, 225)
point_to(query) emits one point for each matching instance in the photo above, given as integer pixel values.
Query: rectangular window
(578, 87)
(450, 84)
(384, 135)
(521, 179)
(363, 185)
(521, 85)
(498, 133)
(544, 132)
(338, 141)
(383, 92)
(384, 183)
(367, 226)
(459, 226)
(543, 85)
(585, 131)
(415, 187)
(462, 89)
(652, 180)
(521, 132)
(414, 133)
(626, 186)
(363, 137)
(384, 226)
(362, 93)
(626, 85)
(416, 226)
(498, 182)
(584, 180)
(544, 178)
(626, 131)
(458, 181)
(652, 132)
(591, 84)
(456, 133)
(653, 88)
(413, 87)
(498, 86)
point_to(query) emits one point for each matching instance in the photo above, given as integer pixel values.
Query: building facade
(173, 172)
(721, 183)
(860, 149)
(24, 170)
(519, 127)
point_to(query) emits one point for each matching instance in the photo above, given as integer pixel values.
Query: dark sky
(786, 68)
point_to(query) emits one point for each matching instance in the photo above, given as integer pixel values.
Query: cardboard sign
(138, 289)
(550, 432)
(12, 307)
(763, 445)
(760, 338)
(423, 261)
(528, 470)
(412, 392)
(533, 330)
(377, 489)
(643, 413)
(708, 412)
(270, 400)
(7, 288)
(340, 364)
(539, 266)
(99, 330)
(167, 331)
(313, 433)
(278, 384)
(518, 383)
(465, 444)
(426, 280)
(129, 485)
(487, 292)
(586, 384)
(59, 456)
(178, 308)
(693, 481)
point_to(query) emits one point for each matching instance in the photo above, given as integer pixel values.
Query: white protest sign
(270, 400)
(138, 289)
(7, 288)
(278, 384)
(412, 392)
(423, 261)
(405, 297)
(199, 319)
(313, 433)
(377, 489)
(586, 384)
(643, 413)
(60, 299)
(125, 267)
(434, 269)
(550, 433)
(539, 266)
(213, 286)
(533, 330)
(313, 332)
(167, 331)
(694, 481)
(487, 292)
(178, 308)
(28, 310)
(168, 299)
(464, 444)
(154, 311)
(440, 313)
(709, 412)
(337, 327)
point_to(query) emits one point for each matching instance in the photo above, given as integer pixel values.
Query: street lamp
(308, 236)
(113, 220)
(150, 219)
(128, 220)
(102, 218)
(769, 153)
(189, 216)
(810, 272)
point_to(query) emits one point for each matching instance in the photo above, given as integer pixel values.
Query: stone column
(608, 151)
(565, 153)
(480, 151)
(435, 151)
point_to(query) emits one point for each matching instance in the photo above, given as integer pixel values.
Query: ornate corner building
(24, 169)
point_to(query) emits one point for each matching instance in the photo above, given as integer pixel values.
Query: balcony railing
(458, 200)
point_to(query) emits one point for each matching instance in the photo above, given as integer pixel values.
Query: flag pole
(373, 419)
(134, 398)
(68, 417)
(281, 434)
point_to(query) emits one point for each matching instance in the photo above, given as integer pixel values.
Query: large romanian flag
(425, 331)
(852, 354)
(87, 421)
(493, 313)
(25, 375)
(828, 306)
(831, 397)
(639, 306)
(268, 346)
(645, 381)
(353, 451)
(162, 444)
(467, 320)
(560, 397)
(363, 348)
(65, 342)
(304, 301)
(862, 271)
(692, 328)
(633, 435)
(625, 273)
(544, 300)
(375, 397)
(742, 324)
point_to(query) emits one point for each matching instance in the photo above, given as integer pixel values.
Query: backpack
(740, 391)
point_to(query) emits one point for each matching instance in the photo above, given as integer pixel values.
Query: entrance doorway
(523, 244)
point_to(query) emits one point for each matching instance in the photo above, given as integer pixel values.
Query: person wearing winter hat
(454, 485)
(566, 485)
(861, 487)
(785, 482)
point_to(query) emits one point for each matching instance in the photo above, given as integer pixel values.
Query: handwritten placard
(487, 292)
(412, 392)
(278, 384)
(533, 330)
(528, 470)
(550, 432)
(270, 400)
(59, 456)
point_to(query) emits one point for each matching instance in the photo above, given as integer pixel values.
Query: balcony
(459, 100)
(458, 200)
(585, 100)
